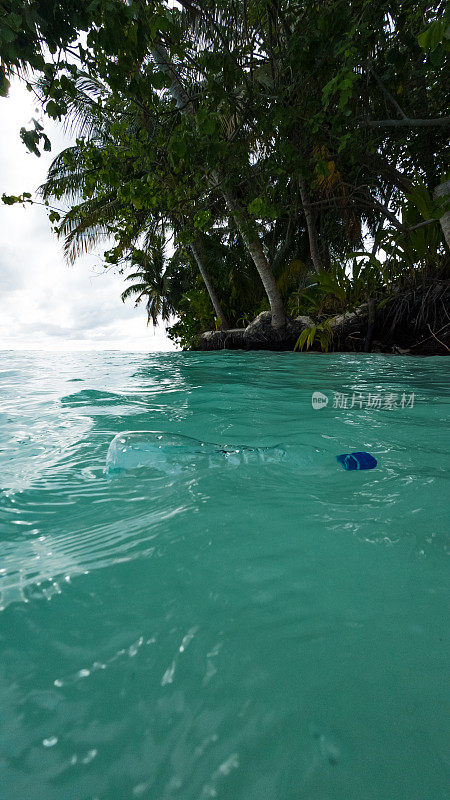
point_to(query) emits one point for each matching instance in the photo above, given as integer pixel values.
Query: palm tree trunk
(371, 307)
(198, 251)
(443, 190)
(253, 244)
(162, 60)
(245, 226)
(311, 225)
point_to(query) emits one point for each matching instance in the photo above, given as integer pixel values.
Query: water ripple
(272, 630)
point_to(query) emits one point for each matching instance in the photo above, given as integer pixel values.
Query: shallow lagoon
(262, 630)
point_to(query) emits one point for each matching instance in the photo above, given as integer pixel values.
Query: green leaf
(437, 56)
(14, 21)
(7, 35)
(158, 80)
(30, 140)
(256, 206)
(54, 109)
(422, 200)
(9, 199)
(433, 35)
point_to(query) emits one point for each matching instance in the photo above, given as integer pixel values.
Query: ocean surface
(235, 628)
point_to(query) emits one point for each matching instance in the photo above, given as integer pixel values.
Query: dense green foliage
(288, 150)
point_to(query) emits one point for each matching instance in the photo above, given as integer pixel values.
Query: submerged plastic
(171, 452)
(357, 460)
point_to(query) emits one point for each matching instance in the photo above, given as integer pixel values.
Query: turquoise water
(260, 630)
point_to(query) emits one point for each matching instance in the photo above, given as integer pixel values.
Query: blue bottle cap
(357, 460)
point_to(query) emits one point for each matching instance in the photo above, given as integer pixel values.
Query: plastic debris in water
(328, 750)
(171, 452)
(357, 461)
(327, 746)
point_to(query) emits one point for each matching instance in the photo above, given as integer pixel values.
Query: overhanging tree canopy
(298, 127)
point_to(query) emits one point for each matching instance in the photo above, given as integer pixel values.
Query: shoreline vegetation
(270, 175)
(403, 328)
(414, 322)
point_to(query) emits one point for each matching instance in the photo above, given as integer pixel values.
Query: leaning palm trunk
(310, 224)
(443, 190)
(245, 226)
(198, 251)
(254, 247)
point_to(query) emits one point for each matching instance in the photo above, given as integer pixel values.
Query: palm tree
(219, 180)
(152, 282)
(90, 221)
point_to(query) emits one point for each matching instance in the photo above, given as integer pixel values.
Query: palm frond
(86, 225)
(132, 290)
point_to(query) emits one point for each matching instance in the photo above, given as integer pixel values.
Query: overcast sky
(44, 303)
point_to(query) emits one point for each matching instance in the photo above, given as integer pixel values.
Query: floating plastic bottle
(171, 452)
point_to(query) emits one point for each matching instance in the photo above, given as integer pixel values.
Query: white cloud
(44, 303)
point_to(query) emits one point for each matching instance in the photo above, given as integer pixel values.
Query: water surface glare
(261, 629)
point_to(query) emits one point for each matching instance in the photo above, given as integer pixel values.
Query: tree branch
(421, 225)
(387, 213)
(407, 122)
(384, 169)
(438, 340)
(387, 93)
